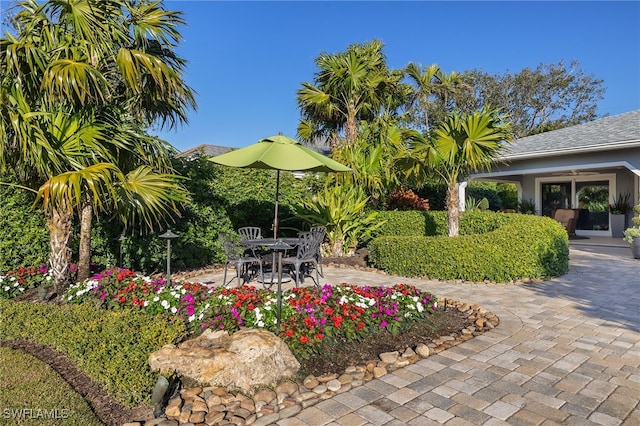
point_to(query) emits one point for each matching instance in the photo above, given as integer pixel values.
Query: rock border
(215, 406)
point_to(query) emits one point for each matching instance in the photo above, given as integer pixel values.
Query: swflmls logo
(35, 413)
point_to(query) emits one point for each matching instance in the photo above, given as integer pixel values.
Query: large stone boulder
(245, 360)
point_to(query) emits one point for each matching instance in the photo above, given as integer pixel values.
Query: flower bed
(16, 282)
(309, 316)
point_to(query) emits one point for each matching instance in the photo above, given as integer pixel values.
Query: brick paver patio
(567, 351)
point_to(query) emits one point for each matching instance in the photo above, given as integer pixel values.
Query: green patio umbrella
(279, 153)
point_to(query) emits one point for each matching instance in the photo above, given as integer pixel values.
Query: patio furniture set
(256, 257)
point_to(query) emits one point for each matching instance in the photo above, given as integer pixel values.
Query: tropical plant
(526, 206)
(340, 209)
(620, 204)
(349, 87)
(432, 88)
(405, 199)
(375, 158)
(81, 81)
(474, 204)
(462, 144)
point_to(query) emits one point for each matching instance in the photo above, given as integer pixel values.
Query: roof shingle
(618, 131)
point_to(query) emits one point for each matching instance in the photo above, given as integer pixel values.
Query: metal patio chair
(319, 233)
(306, 259)
(237, 255)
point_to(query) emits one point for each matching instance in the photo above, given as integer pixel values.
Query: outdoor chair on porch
(568, 218)
(306, 259)
(245, 263)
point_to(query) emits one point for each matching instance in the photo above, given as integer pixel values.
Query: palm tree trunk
(59, 235)
(84, 255)
(351, 126)
(453, 209)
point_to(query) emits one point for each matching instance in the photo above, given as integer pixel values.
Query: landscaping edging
(216, 406)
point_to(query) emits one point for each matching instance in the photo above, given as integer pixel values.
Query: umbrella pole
(275, 219)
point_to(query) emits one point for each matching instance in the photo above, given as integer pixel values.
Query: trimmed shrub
(509, 247)
(111, 347)
(24, 238)
(432, 223)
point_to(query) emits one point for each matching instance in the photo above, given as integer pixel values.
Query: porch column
(462, 197)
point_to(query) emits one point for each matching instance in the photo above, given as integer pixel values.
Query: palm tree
(462, 144)
(81, 81)
(432, 86)
(349, 87)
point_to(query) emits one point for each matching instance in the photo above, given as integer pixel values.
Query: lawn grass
(31, 393)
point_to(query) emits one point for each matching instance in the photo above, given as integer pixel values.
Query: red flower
(251, 307)
(319, 336)
(122, 299)
(304, 339)
(288, 333)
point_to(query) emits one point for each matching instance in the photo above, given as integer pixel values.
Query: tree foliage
(81, 82)
(549, 97)
(349, 87)
(462, 144)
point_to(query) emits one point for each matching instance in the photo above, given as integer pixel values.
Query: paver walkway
(567, 351)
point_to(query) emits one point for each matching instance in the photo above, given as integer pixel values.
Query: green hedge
(507, 247)
(432, 223)
(24, 238)
(111, 347)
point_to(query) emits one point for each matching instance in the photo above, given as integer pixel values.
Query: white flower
(191, 318)
(21, 288)
(155, 299)
(420, 307)
(6, 288)
(174, 310)
(260, 324)
(165, 304)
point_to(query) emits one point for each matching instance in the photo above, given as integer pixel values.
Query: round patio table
(273, 245)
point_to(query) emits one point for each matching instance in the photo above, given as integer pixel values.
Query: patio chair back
(319, 233)
(250, 233)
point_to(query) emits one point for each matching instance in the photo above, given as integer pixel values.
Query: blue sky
(248, 59)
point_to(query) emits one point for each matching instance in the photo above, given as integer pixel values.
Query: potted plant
(617, 214)
(632, 234)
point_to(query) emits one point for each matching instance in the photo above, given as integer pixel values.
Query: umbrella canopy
(279, 153)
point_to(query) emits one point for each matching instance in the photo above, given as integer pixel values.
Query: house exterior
(582, 167)
(205, 149)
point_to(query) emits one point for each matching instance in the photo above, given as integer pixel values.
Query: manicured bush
(24, 238)
(111, 347)
(509, 247)
(431, 223)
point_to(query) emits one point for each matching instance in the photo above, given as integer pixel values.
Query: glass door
(593, 202)
(555, 195)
